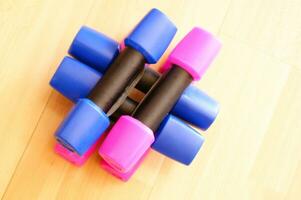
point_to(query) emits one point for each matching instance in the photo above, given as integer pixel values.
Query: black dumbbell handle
(148, 79)
(158, 102)
(128, 64)
(128, 105)
(126, 108)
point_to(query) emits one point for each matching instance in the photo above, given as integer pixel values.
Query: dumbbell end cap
(176, 140)
(197, 108)
(94, 48)
(194, 52)
(73, 157)
(82, 127)
(74, 79)
(126, 143)
(123, 176)
(152, 35)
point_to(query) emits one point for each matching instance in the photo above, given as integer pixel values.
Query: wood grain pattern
(253, 151)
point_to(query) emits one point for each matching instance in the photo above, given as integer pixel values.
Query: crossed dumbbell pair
(101, 76)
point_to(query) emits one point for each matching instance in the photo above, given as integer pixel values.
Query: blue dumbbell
(88, 119)
(75, 80)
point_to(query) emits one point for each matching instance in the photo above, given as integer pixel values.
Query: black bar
(148, 79)
(127, 108)
(118, 76)
(158, 102)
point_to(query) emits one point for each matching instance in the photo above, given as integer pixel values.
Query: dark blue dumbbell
(87, 120)
(75, 80)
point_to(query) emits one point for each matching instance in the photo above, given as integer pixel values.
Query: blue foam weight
(85, 124)
(177, 140)
(200, 109)
(152, 35)
(94, 48)
(74, 79)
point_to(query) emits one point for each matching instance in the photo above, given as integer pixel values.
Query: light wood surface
(253, 150)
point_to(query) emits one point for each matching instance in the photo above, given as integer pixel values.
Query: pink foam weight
(73, 157)
(123, 176)
(194, 53)
(126, 143)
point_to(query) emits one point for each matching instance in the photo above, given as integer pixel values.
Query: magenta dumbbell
(132, 136)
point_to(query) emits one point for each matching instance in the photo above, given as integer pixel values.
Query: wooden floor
(253, 151)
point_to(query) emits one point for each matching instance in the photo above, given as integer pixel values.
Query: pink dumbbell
(132, 136)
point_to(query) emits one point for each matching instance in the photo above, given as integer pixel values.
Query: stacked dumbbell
(99, 80)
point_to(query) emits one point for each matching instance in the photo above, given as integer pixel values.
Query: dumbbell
(59, 83)
(88, 119)
(131, 136)
(75, 79)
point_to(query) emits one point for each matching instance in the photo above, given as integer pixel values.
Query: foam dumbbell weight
(88, 120)
(94, 49)
(75, 80)
(192, 57)
(189, 60)
(123, 176)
